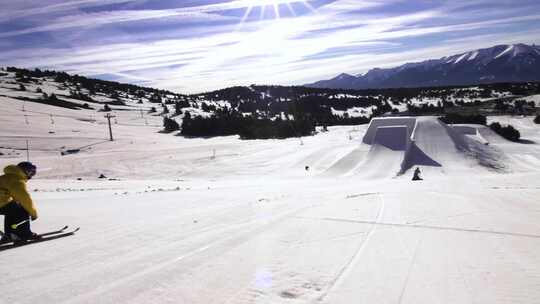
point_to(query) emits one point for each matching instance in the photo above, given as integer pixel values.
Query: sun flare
(276, 5)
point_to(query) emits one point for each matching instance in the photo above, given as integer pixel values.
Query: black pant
(15, 214)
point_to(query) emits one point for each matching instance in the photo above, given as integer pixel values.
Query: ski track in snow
(155, 268)
(344, 272)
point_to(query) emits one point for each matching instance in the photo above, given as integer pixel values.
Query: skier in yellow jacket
(15, 202)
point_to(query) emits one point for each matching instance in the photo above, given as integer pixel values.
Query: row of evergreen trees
(248, 127)
(257, 94)
(455, 118)
(507, 132)
(517, 106)
(110, 88)
(262, 120)
(425, 109)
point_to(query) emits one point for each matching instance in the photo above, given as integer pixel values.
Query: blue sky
(200, 45)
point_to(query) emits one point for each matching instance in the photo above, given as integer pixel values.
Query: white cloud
(289, 50)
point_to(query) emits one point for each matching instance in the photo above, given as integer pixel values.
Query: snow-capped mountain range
(501, 63)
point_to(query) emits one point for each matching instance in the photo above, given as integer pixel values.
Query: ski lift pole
(109, 116)
(27, 151)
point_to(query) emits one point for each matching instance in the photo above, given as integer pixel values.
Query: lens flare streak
(276, 5)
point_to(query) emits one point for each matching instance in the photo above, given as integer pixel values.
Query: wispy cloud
(203, 45)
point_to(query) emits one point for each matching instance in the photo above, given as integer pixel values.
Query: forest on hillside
(260, 111)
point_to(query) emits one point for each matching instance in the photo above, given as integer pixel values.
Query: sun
(276, 5)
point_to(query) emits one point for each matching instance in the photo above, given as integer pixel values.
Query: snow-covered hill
(320, 219)
(501, 63)
(328, 107)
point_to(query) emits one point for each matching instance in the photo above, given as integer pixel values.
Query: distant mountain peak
(344, 76)
(500, 63)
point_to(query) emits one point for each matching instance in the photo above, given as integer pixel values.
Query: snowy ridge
(473, 55)
(503, 63)
(508, 49)
(460, 58)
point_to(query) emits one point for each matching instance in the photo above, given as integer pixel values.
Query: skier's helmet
(28, 168)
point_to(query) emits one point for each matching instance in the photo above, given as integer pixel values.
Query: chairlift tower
(109, 116)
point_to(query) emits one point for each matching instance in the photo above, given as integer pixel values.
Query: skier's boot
(5, 239)
(19, 239)
(32, 236)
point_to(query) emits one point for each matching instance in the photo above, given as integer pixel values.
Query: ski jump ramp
(387, 153)
(400, 143)
(393, 145)
(390, 139)
(408, 122)
(384, 144)
(397, 138)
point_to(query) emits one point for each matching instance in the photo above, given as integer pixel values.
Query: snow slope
(222, 220)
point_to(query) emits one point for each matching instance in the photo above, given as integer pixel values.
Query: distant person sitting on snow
(416, 175)
(15, 202)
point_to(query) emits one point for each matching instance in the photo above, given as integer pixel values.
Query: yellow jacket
(13, 188)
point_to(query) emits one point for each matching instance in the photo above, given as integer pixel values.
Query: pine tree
(170, 125)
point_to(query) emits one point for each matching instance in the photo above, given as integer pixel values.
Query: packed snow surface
(322, 219)
(533, 98)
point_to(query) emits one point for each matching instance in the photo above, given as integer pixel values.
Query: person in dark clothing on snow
(416, 175)
(15, 202)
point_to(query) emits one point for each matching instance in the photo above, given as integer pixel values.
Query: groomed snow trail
(329, 244)
(252, 225)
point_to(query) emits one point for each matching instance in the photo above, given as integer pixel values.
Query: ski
(41, 234)
(49, 236)
(54, 232)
